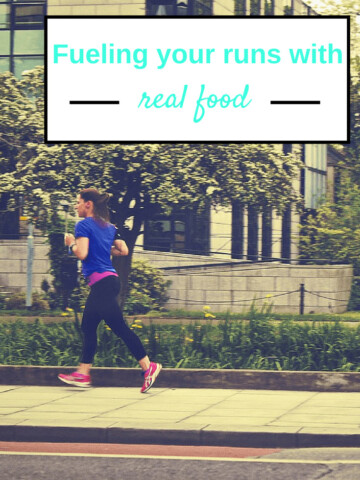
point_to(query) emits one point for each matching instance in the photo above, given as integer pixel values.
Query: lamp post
(30, 258)
(30, 261)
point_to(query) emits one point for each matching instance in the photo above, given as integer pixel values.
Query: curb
(192, 378)
(52, 434)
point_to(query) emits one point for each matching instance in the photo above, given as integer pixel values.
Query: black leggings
(100, 305)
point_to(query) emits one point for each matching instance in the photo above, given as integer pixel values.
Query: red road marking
(122, 449)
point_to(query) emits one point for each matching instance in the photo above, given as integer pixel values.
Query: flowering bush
(147, 289)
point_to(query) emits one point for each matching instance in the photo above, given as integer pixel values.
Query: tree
(21, 113)
(143, 179)
(351, 165)
(332, 235)
(334, 231)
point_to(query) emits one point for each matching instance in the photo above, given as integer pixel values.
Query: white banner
(193, 79)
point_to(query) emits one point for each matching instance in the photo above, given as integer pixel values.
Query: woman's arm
(79, 246)
(119, 248)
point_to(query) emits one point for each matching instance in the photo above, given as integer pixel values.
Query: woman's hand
(119, 248)
(80, 246)
(69, 239)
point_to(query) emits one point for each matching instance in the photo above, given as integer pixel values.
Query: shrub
(17, 301)
(259, 344)
(45, 286)
(147, 291)
(147, 288)
(354, 302)
(2, 300)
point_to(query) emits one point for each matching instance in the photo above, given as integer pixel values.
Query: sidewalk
(227, 417)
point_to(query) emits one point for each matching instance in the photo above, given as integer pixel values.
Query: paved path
(251, 418)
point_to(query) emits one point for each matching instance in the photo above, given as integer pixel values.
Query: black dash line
(94, 102)
(295, 102)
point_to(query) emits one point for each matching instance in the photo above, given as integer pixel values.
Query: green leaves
(143, 175)
(334, 232)
(142, 179)
(259, 343)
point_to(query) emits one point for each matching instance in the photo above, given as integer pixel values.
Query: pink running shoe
(150, 376)
(75, 378)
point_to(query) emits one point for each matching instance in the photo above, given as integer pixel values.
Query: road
(45, 461)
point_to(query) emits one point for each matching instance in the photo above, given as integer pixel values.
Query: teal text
(162, 100)
(225, 101)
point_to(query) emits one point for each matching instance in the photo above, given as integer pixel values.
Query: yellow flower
(137, 321)
(209, 315)
(83, 306)
(206, 307)
(107, 327)
(187, 339)
(268, 295)
(64, 314)
(69, 309)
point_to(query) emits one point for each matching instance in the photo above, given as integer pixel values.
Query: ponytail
(100, 201)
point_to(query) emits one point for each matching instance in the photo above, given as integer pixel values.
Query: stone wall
(13, 264)
(219, 283)
(234, 288)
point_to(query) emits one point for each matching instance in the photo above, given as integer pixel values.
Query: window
(288, 7)
(269, 7)
(9, 221)
(185, 231)
(254, 7)
(179, 7)
(4, 16)
(240, 7)
(286, 222)
(202, 8)
(237, 230)
(253, 233)
(21, 35)
(315, 174)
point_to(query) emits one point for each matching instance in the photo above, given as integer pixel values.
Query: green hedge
(255, 344)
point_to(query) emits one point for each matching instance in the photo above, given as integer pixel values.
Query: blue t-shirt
(101, 237)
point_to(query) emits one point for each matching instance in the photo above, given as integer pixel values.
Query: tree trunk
(123, 267)
(123, 264)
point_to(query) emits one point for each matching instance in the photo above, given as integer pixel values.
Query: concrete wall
(222, 287)
(161, 259)
(235, 287)
(13, 264)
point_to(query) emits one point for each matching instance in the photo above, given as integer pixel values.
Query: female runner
(94, 242)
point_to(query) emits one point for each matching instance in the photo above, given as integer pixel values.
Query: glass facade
(179, 7)
(21, 35)
(185, 231)
(315, 159)
(272, 7)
